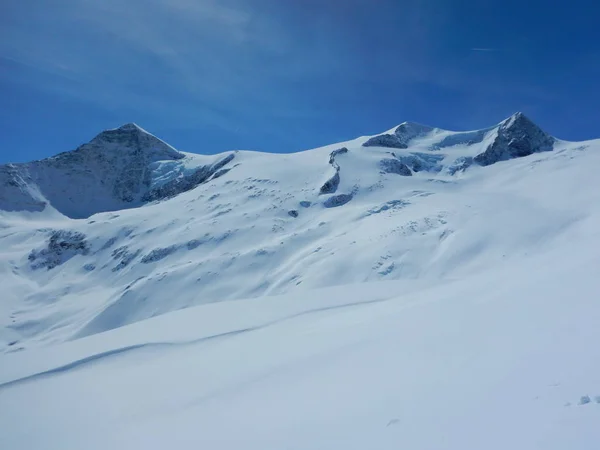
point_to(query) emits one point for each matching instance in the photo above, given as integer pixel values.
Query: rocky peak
(130, 138)
(411, 130)
(516, 137)
(401, 137)
(112, 171)
(131, 126)
(517, 119)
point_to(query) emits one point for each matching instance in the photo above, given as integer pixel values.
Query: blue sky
(286, 75)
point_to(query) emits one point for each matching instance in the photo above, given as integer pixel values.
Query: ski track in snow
(97, 358)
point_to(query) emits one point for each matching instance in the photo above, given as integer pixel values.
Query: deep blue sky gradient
(286, 75)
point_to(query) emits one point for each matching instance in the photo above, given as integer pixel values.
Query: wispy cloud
(156, 53)
(209, 59)
(239, 64)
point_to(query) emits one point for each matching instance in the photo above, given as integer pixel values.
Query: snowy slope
(505, 359)
(426, 289)
(345, 213)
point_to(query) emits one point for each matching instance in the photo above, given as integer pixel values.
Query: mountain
(128, 167)
(514, 137)
(127, 222)
(121, 168)
(421, 288)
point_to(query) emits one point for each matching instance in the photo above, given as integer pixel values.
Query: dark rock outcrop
(388, 206)
(401, 137)
(220, 173)
(337, 200)
(331, 185)
(333, 154)
(159, 253)
(516, 137)
(194, 243)
(17, 192)
(124, 256)
(385, 140)
(62, 246)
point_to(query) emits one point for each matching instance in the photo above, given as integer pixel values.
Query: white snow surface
(431, 311)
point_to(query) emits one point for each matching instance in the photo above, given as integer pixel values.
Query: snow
(432, 311)
(378, 365)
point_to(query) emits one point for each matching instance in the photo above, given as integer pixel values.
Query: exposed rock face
(133, 139)
(401, 138)
(17, 191)
(385, 140)
(333, 154)
(331, 185)
(408, 131)
(110, 172)
(124, 256)
(517, 137)
(388, 206)
(390, 165)
(337, 200)
(159, 253)
(62, 246)
(113, 171)
(120, 158)
(220, 173)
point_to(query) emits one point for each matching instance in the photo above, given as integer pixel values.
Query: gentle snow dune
(499, 360)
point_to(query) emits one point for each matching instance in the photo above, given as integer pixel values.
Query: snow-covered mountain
(121, 168)
(125, 227)
(421, 288)
(128, 167)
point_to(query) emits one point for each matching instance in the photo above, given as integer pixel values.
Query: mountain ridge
(123, 167)
(245, 224)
